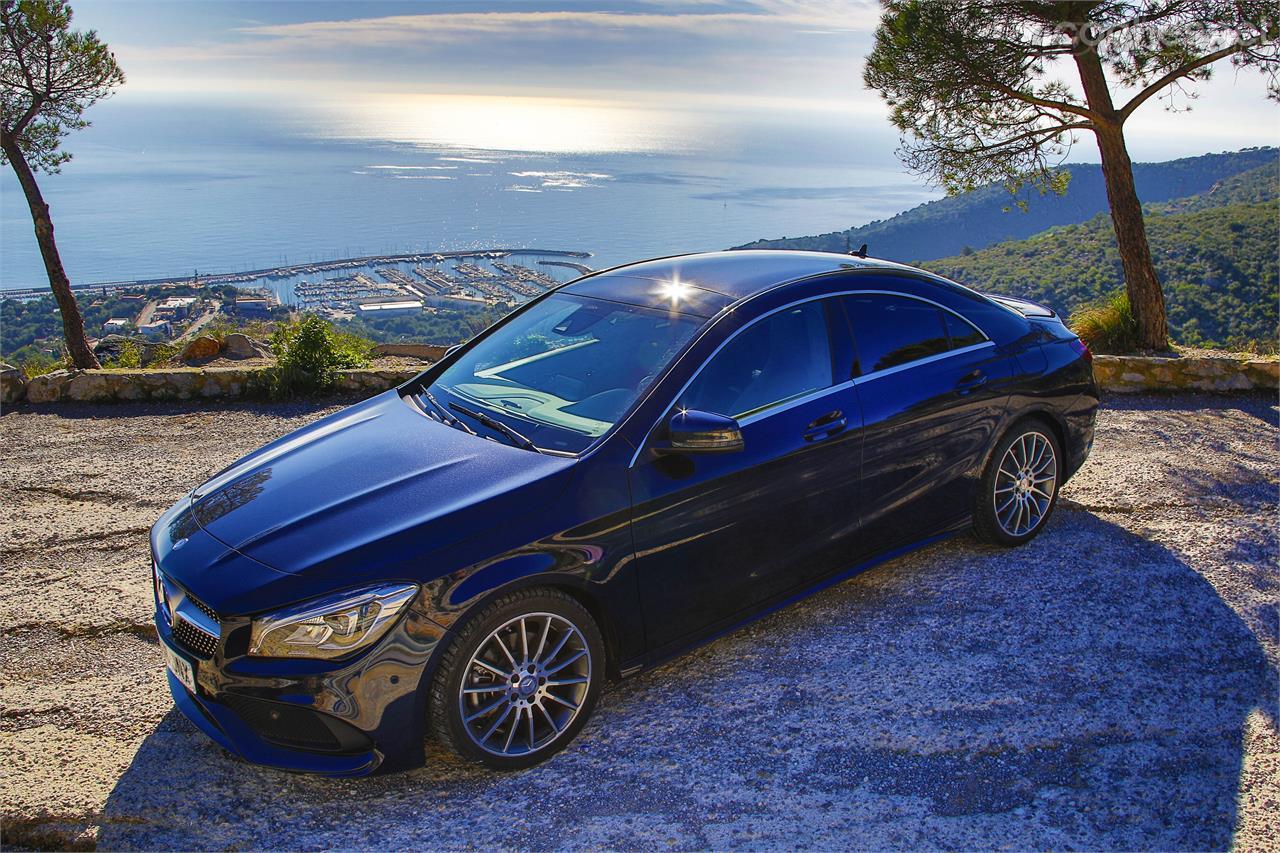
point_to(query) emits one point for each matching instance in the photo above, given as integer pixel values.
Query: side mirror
(691, 431)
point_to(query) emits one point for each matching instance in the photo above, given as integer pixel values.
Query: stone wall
(1132, 374)
(187, 383)
(1120, 374)
(426, 352)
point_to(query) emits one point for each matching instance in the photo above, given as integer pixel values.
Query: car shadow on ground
(1088, 690)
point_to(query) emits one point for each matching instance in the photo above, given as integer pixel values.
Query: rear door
(933, 389)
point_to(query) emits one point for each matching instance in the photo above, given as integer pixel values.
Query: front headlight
(157, 586)
(330, 627)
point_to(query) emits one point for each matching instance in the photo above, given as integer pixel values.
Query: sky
(792, 50)
(513, 63)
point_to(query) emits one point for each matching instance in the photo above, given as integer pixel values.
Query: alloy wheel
(525, 684)
(1025, 484)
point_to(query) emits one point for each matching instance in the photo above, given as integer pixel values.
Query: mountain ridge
(989, 215)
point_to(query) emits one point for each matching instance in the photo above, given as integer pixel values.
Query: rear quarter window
(893, 330)
(962, 332)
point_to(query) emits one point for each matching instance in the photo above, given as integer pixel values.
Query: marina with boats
(424, 284)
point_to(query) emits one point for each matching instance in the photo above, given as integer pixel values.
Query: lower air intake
(296, 727)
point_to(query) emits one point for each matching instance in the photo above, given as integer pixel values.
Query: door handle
(970, 381)
(828, 418)
(826, 426)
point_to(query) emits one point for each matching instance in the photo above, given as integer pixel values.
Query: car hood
(368, 491)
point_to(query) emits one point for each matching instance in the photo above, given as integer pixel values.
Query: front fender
(592, 560)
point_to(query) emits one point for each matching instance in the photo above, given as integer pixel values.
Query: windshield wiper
(444, 413)
(494, 424)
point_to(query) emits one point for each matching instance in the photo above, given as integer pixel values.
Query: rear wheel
(1019, 488)
(519, 680)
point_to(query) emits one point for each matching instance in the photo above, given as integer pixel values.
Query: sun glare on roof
(675, 290)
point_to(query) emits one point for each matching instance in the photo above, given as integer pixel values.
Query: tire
(533, 657)
(1019, 487)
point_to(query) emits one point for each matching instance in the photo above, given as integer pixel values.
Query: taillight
(1083, 349)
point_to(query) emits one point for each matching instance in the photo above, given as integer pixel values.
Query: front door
(716, 534)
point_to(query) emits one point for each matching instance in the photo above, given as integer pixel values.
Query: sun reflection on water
(497, 123)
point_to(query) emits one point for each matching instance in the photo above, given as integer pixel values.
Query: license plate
(182, 668)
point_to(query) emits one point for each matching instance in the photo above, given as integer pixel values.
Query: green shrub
(130, 357)
(1107, 326)
(39, 364)
(219, 327)
(309, 353)
(162, 353)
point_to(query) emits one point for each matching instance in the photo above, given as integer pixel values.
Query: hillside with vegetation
(1250, 187)
(443, 326)
(31, 330)
(989, 215)
(1216, 254)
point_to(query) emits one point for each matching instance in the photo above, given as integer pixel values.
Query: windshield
(564, 371)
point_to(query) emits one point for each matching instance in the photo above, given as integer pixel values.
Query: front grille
(204, 608)
(194, 639)
(293, 726)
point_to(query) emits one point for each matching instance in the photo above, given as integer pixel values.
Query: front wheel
(1020, 485)
(519, 680)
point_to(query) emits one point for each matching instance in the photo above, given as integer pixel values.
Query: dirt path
(1112, 685)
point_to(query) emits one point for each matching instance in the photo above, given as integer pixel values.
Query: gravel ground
(1112, 685)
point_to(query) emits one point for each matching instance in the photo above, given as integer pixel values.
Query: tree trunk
(72, 323)
(1146, 298)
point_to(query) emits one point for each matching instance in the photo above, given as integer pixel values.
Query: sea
(161, 188)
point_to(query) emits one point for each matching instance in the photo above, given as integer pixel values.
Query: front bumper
(229, 731)
(343, 718)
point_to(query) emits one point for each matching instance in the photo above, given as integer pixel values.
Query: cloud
(795, 49)
(444, 27)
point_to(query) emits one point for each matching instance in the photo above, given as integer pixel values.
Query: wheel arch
(1045, 414)
(574, 586)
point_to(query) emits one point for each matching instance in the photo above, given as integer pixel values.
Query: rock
(13, 383)
(200, 349)
(240, 346)
(109, 347)
(49, 387)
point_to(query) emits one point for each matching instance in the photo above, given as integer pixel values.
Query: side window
(962, 332)
(778, 358)
(893, 330)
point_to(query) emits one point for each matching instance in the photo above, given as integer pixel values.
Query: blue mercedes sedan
(625, 466)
